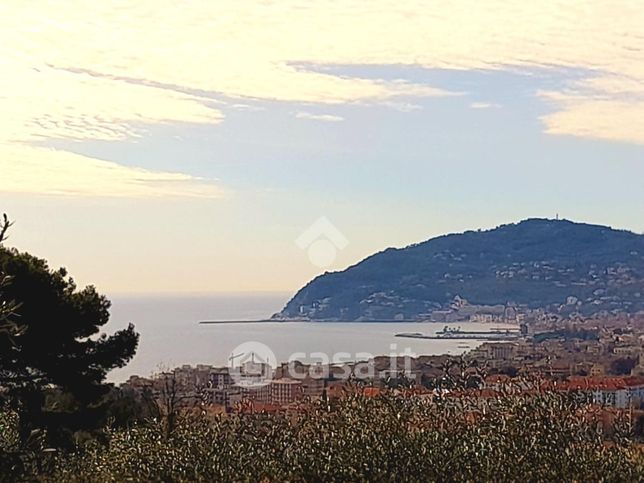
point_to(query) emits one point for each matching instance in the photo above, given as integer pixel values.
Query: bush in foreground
(510, 438)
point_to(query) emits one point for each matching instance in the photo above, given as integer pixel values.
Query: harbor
(494, 334)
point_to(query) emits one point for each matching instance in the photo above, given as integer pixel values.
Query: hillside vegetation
(557, 265)
(550, 437)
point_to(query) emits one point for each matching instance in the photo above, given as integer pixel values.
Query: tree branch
(5, 224)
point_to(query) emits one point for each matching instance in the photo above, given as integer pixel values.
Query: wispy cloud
(402, 106)
(52, 172)
(153, 58)
(45, 104)
(48, 103)
(319, 117)
(608, 117)
(484, 105)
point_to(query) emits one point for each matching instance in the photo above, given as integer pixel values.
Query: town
(600, 358)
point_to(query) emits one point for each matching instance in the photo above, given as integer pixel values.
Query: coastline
(323, 321)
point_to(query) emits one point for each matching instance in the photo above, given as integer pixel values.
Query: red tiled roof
(607, 383)
(371, 391)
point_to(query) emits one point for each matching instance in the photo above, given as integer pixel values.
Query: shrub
(542, 437)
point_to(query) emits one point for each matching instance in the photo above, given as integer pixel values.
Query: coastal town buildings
(286, 391)
(600, 358)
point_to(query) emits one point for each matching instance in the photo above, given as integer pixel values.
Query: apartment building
(286, 391)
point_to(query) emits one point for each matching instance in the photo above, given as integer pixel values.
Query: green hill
(556, 265)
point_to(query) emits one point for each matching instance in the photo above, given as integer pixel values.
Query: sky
(199, 146)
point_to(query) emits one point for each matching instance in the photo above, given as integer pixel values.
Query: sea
(171, 334)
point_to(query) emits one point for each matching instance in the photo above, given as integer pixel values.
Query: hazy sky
(167, 146)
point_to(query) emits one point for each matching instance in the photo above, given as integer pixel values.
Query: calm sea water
(171, 335)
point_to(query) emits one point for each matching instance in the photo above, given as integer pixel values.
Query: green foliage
(21, 458)
(623, 365)
(49, 338)
(548, 437)
(56, 347)
(567, 334)
(549, 260)
(7, 307)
